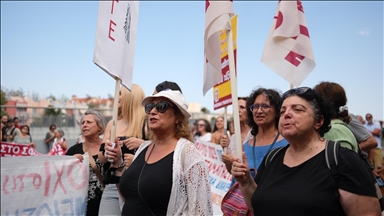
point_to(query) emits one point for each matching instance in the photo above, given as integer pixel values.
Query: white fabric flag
(217, 17)
(288, 49)
(116, 39)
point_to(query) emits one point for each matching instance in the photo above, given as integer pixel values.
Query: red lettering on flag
(279, 19)
(206, 5)
(300, 6)
(294, 58)
(113, 5)
(304, 30)
(111, 29)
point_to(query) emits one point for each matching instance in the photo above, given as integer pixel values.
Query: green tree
(52, 111)
(3, 101)
(205, 110)
(52, 97)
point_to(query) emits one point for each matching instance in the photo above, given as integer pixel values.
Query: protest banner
(12, 149)
(116, 39)
(219, 177)
(222, 90)
(45, 185)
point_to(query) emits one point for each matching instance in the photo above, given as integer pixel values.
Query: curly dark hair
(317, 103)
(275, 102)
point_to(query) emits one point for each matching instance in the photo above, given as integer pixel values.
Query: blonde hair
(132, 111)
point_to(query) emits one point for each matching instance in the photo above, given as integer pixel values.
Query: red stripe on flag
(300, 6)
(206, 5)
(304, 30)
(293, 58)
(279, 19)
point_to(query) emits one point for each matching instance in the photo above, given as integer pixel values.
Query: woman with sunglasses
(297, 181)
(204, 128)
(24, 137)
(168, 176)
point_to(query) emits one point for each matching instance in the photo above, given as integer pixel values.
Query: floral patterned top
(95, 188)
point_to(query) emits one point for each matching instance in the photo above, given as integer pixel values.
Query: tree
(51, 96)
(64, 98)
(35, 96)
(52, 111)
(3, 98)
(3, 101)
(20, 92)
(205, 110)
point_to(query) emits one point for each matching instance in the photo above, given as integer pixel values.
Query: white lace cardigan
(191, 189)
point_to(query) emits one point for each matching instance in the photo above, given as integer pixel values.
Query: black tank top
(155, 186)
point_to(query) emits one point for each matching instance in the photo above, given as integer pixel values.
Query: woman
(218, 130)
(92, 126)
(60, 145)
(297, 181)
(24, 137)
(50, 136)
(181, 175)
(245, 130)
(335, 94)
(263, 117)
(131, 131)
(204, 128)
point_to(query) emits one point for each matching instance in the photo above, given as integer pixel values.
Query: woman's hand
(128, 158)
(224, 141)
(79, 156)
(240, 171)
(113, 153)
(133, 143)
(32, 144)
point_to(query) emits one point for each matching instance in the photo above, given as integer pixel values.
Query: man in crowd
(375, 129)
(11, 131)
(4, 120)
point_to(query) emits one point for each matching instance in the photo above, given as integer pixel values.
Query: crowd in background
(148, 135)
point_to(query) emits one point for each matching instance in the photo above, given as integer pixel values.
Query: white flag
(288, 49)
(217, 17)
(116, 39)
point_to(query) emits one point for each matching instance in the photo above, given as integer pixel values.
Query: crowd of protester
(155, 141)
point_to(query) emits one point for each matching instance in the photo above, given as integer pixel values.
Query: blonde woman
(131, 132)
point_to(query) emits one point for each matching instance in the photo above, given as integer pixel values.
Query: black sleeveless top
(147, 184)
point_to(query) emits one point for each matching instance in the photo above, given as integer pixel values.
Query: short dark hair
(168, 85)
(15, 118)
(317, 103)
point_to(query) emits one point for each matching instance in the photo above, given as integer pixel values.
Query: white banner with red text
(45, 185)
(219, 177)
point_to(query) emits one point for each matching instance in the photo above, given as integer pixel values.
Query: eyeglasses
(200, 125)
(298, 91)
(255, 107)
(161, 107)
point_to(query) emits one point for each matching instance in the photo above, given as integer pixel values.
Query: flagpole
(225, 127)
(114, 111)
(235, 106)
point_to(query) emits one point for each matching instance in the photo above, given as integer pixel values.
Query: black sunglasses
(161, 107)
(297, 91)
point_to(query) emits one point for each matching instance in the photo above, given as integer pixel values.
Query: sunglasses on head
(161, 107)
(297, 91)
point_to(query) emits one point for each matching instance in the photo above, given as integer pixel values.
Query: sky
(47, 48)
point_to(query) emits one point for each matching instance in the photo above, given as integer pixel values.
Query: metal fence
(45, 116)
(64, 117)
